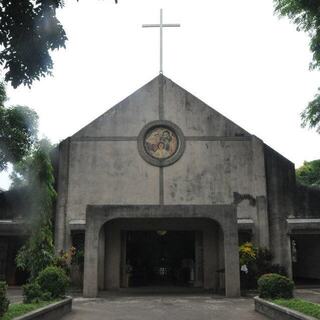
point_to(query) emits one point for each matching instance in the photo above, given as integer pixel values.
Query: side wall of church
(307, 202)
(280, 189)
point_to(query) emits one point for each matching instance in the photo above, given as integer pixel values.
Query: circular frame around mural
(174, 138)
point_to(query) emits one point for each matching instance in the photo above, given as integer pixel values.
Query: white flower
(244, 268)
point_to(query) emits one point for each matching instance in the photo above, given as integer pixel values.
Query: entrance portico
(159, 258)
(166, 216)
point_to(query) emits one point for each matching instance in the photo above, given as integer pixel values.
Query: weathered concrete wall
(210, 172)
(127, 117)
(193, 116)
(62, 234)
(109, 172)
(222, 163)
(307, 202)
(280, 189)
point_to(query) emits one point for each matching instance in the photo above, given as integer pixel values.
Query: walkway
(310, 294)
(140, 305)
(163, 306)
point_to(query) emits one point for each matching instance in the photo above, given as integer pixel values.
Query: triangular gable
(127, 118)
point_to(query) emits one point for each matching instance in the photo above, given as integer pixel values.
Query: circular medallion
(161, 143)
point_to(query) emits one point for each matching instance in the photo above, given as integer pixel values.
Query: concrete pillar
(263, 222)
(198, 259)
(259, 189)
(67, 238)
(123, 262)
(90, 279)
(231, 256)
(221, 261)
(101, 265)
(210, 258)
(288, 256)
(63, 184)
(113, 257)
(208, 261)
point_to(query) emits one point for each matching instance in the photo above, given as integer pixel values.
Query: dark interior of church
(9, 247)
(305, 252)
(160, 257)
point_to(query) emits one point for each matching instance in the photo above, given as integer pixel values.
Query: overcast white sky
(236, 56)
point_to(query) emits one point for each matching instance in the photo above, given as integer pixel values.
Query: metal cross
(161, 25)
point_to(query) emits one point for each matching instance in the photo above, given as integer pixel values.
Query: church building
(161, 188)
(160, 191)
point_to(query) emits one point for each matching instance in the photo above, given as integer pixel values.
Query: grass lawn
(303, 306)
(18, 309)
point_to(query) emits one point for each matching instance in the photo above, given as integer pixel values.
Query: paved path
(310, 294)
(156, 307)
(15, 294)
(174, 306)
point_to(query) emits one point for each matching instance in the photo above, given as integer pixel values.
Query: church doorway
(159, 258)
(161, 252)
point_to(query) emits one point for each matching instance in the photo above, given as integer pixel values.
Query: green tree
(29, 31)
(38, 252)
(306, 15)
(18, 131)
(3, 94)
(309, 173)
(311, 115)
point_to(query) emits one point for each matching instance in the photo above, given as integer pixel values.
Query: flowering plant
(247, 253)
(64, 259)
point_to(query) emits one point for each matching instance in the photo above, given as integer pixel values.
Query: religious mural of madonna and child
(161, 143)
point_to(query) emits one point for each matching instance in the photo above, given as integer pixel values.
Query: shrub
(62, 263)
(273, 286)
(32, 293)
(4, 302)
(53, 280)
(263, 262)
(65, 259)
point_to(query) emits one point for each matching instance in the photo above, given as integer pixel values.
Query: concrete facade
(98, 216)
(103, 177)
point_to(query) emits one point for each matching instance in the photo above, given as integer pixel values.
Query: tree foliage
(38, 252)
(309, 173)
(29, 29)
(18, 131)
(306, 15)
(311, 115)
(3, 94)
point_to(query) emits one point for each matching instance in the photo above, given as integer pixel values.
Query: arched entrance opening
(104, 248)
(153, 252)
